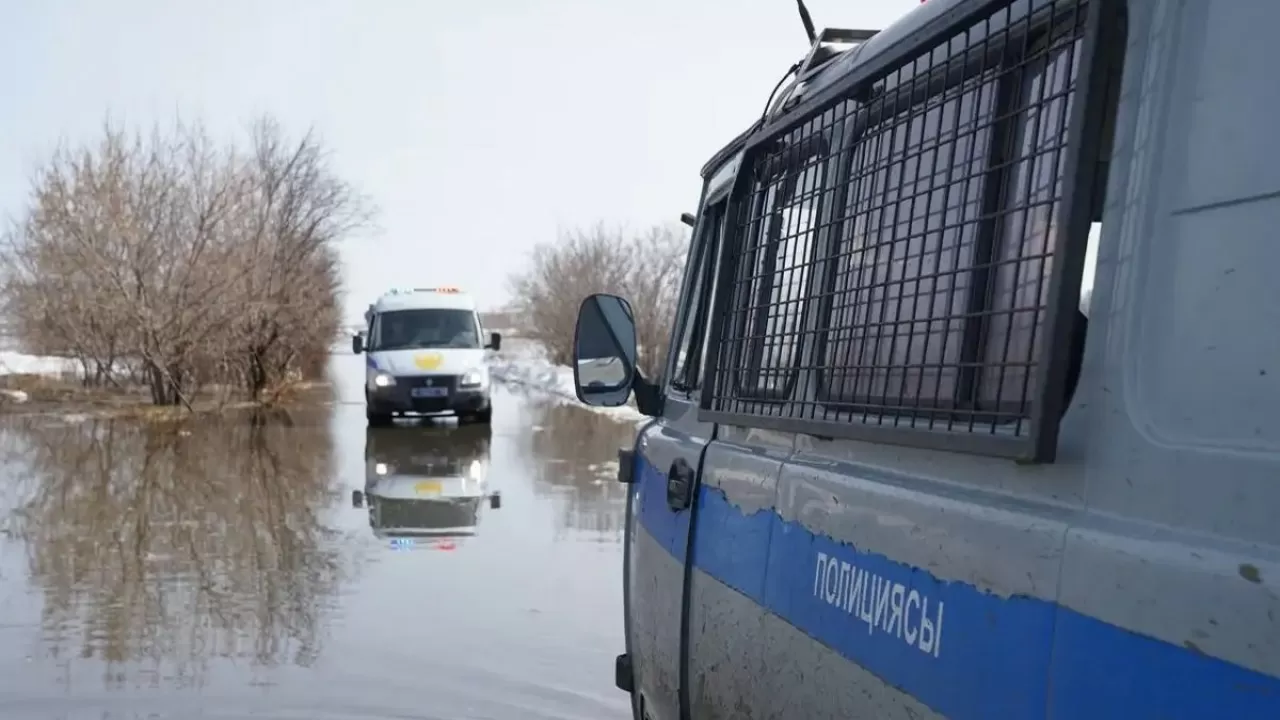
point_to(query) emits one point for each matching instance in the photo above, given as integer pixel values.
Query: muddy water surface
(294, 565)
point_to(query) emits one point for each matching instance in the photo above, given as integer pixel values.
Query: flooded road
(296, 565)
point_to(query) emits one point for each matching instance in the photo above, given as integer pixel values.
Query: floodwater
(226, 568)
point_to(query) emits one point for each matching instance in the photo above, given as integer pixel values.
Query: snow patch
(13, 396)
(13, 363)
(528, 370)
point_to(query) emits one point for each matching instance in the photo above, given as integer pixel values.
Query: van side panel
(655, 622)
(1171, 584)
(944, 594)
(807, 679)
(1136, 577)
(725, 643)
(657, 575)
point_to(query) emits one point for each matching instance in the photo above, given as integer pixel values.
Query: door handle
(680, 485)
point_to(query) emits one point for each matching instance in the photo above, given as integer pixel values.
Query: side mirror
(357, 344)
(495, 341)
(604, 351)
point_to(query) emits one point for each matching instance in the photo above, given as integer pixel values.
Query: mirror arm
(648, 397)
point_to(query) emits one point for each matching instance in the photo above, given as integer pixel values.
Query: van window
(770, 298)
(425, 328)
(1090, 267)
(687, 372)
(1024, 249)
(911, 224)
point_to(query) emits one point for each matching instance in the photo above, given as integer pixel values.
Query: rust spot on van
(1250, 573)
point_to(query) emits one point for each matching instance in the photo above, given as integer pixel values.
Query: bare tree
(300, 210)
(166, 259)
(654, 292)
(644, 268)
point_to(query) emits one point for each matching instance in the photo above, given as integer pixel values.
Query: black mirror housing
(357, 344)
(495, 341)
(604, 351)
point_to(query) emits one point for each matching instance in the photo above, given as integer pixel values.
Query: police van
(425, 355)
(426, 489)
(892, 470)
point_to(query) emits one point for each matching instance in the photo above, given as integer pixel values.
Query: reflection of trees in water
(166, 545)
(14, 482)
(577, 461)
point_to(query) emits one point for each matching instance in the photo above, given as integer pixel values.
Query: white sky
(477, 128)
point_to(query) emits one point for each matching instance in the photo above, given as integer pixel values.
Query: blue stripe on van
(670, 529)
(993, 660)
(369, 362)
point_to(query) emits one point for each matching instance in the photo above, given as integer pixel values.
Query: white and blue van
(425, 355)
(892, 471)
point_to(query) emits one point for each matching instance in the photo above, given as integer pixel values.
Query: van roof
(916, 31)
(424, 298)
(934, 12)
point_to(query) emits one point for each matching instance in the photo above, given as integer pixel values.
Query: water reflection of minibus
(426, 486)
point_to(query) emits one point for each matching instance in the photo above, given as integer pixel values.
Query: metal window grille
(891, 256)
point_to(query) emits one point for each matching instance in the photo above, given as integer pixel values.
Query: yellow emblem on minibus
(427, 487)
(428, 361)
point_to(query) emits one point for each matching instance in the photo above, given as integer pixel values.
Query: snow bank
(13, 396)
(13, 363)
(525, 368)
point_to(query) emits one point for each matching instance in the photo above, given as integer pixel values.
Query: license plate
(427, 488)
(429, 392)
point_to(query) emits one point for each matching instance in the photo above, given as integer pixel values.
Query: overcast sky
(477, 128)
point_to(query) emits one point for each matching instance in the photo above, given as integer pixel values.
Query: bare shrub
(164, 259)
(645, 268)
(291, 273)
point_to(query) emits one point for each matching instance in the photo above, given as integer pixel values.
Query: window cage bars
(898, 264)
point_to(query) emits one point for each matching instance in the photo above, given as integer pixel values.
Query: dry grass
(68, 395)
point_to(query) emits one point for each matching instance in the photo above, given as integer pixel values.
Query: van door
(668, 460)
